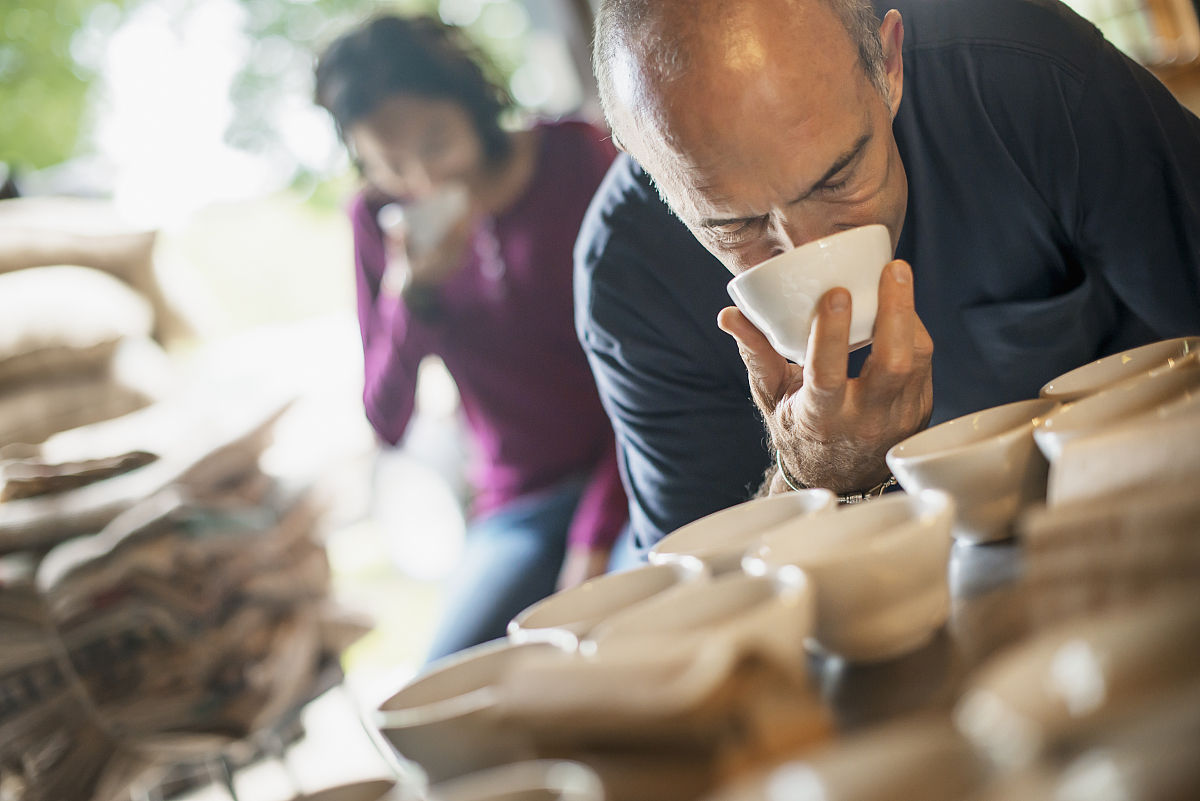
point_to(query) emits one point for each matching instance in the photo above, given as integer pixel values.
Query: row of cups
(642, 654)
(995, 463)
(866, 582)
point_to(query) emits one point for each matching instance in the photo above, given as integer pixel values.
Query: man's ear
(891, 36)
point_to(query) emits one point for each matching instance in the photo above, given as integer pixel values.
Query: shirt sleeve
(1137, 152)
(393, 343)
(602, 509)
(663, 372)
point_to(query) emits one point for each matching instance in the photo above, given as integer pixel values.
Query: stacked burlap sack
(161, 597)
(82, 317)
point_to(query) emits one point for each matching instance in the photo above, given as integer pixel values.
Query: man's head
(764, 123)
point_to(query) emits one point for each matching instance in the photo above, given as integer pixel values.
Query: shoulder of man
(632, 243)
(625, 202)
(1047, 28)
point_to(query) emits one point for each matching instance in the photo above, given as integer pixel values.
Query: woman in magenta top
(492, 298)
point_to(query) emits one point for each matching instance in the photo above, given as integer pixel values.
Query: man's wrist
(789, 482)
(783, 474)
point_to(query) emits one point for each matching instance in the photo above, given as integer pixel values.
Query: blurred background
(179, 138)
(193, 119)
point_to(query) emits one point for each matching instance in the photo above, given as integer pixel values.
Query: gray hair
(621, 22)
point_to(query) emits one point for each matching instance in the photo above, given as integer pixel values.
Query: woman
(492, 298)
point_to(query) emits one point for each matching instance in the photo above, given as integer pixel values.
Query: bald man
(1042, 193)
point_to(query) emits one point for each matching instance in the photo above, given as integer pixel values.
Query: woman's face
(410, 145)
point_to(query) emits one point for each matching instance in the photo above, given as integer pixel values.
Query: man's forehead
(750, 78)
(749, 162)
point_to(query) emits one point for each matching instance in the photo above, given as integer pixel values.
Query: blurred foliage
(51, 51)
(44, 76)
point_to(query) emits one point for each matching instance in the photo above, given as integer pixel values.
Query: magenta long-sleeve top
(505, 332)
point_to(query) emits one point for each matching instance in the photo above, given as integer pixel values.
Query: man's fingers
(892, 352)
(767, 369)
(828, 354)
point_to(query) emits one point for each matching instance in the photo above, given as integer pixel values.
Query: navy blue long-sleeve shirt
(1053, 218)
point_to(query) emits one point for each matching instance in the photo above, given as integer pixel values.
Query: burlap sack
(56, 321)
(44, 231)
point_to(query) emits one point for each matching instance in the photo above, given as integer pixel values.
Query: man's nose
(793, 228)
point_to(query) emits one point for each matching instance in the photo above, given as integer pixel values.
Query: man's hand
(582, 563)
(830, 430)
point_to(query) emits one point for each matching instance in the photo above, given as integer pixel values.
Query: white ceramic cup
(1118, 403)
(781, 294)
(745, 614)
(1071, 680)
(911, 758)
(655, 673)
(880, 570)
(425, 222)
(565, 617)
(443, 719)
(720, 539)
(987, 461)
(371, 790)
(535, 780)
(1095, 376)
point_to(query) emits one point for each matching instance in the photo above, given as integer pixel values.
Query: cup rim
(895, 453)
(925, 509)
(1180, 347)
(818, 499)
(812, 245)
(451, 706)
(519, 629)
(1067, 422)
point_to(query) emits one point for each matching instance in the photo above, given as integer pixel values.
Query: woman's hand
(408, 268)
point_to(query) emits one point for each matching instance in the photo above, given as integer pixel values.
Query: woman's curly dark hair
(392, 55)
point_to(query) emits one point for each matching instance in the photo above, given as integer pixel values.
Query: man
(1042, 192)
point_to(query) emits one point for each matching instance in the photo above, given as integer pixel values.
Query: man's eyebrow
(840, 164)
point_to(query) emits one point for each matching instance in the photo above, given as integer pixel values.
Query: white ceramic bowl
(372, 790)
(1074, 679)
(1116, 404)
(1097, 375)
(677, 670)
(425, 222)
(747, 614)
(879, 569)
(536, 780)
(565, 617)
(913, 758)
(987, 461)
(1153, 449)
(443, 720)
(781, 294)
(720, 539)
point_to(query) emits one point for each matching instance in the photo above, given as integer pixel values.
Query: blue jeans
(511, 559)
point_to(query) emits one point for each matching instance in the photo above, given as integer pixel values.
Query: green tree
(44, 82)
